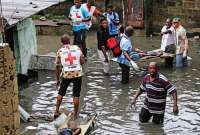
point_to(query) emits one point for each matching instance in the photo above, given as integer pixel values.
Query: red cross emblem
(70, 58)
(78, 16)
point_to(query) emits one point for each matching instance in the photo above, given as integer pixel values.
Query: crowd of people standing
(71, 57)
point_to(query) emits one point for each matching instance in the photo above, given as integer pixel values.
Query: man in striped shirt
(156, 87)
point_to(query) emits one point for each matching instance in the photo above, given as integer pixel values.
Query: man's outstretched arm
(138, 93)
(175, 106)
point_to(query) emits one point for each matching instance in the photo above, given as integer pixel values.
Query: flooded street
(105, 96)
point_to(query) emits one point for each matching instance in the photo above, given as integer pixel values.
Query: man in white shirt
(90, 7)
(181, 43)
(78, 16)
(168, 41)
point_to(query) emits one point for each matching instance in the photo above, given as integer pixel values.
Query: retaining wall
(9, 115)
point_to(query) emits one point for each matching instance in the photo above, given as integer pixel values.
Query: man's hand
(175, 110)
(184, 54)
(133, 103)
(138, 50)
(134, 65)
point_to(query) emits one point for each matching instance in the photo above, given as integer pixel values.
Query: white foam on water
(31, 128)
(47, 84)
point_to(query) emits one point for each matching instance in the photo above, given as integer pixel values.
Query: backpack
(113, 43)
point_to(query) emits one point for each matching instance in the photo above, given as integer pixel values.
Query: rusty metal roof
(17, 10)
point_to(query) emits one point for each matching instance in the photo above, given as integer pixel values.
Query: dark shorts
(145, 116)
(79, 37)
(170, 49)
(76, 86)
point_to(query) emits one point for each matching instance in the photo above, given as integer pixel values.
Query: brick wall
(187, 10)
(9, 115)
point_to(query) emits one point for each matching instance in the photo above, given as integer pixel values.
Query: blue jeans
(181, 61)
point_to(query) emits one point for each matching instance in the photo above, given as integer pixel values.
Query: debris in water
(31, 128)
(198, 83)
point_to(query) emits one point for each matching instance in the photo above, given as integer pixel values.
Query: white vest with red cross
(90, 11)
(70, 58)
(76, 16)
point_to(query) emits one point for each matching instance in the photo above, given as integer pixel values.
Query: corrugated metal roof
(16, 10)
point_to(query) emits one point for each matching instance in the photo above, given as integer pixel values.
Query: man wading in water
(181, 43)
(156, 87)
(68, 62)
(103, 52)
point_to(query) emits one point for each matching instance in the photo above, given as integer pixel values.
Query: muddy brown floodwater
(106, 96)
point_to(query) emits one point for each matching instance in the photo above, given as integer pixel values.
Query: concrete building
(20, 30)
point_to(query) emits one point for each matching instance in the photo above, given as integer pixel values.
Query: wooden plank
(146, 58)
(84, 128)
(164, 55)
(69, 117)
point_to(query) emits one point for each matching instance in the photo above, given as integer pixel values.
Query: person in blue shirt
(129, 55)
(77, 16)
(113, 21)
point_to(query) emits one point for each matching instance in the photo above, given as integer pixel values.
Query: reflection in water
(111, 101)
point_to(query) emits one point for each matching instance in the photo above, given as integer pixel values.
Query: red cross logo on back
(70, 58)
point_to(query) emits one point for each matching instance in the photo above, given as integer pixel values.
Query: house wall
(25, 44)
(187, 10)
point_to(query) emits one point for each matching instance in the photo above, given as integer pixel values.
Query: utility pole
(1, 23)
(1, 30)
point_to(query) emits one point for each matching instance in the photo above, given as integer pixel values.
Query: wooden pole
(1, 30)
(123, 13)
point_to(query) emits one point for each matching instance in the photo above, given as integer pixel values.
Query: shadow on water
(106, 96)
